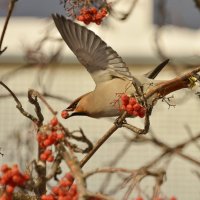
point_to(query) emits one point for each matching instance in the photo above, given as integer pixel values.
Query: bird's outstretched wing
(101, 61)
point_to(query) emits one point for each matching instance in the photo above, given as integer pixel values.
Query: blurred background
(152, 31)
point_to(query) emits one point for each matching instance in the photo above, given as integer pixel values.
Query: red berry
(65, 183)
(84, 11)
(54, 121)
(43, 157)
(55, 190)
(48, 152)
(80, 18)
(98, 16)
(98, 22)
(124, 99)
(69, 177)
(4, 168)
(93, 10)
(132, 101)
(135, 113)
(136, 107)
(129, 108)
(88, 17)
(47, 197)
(9, 189)
(60, 136)
(50, 159)
(47, 142)
(142, 112)
(26, 176)
(86, 22)
(64, 113)
(16, 179)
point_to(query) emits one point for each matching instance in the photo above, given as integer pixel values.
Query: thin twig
(19, 105)
(10, 10)
(102, 140)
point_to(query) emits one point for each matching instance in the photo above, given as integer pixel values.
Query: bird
(108, 70)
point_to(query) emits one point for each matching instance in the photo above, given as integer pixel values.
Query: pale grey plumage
(91, 51)
(106, 67)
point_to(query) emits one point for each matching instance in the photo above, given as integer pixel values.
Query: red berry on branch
(65, 114)
(132, 101)
(142, 112)
(60, 136)
(54, 121)
(10, 188)
(17, 179)
(88, 17)
(124, 99)
(98, 16)
(93, 10)
(4, 168)
(135, 113)
(48, 152)
(43, 157)
(47, 142)
(129, 108)
(50, 159)
(98, 22)
(26, 176)
(69, 177)
(80, 18)
(55, 190)
(136, 107)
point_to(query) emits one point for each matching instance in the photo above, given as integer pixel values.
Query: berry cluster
(10, 178)
(92, 14)
(132, 107)
(65, 190)
(48, 136)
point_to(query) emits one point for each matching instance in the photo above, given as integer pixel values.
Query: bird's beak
(69, 112)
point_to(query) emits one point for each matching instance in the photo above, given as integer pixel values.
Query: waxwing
(108, 70)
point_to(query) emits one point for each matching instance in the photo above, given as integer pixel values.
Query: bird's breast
(105, 101)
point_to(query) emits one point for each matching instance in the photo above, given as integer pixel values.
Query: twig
(103, 139)
(10, 10)
(73, 165)
(84, 139)
(33, 100)
(37, 94)
(19, 105)
(172, 85)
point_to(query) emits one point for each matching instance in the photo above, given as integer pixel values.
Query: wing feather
(98, 58)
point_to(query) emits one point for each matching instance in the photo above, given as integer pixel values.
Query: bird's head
(77, 108)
